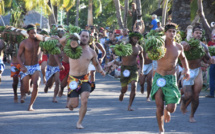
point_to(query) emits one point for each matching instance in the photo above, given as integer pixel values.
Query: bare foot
(167, 116)
(79, 126)
(60, 94)
(22, 100)
(192, 120)
(54, 100)
(130, 109)
(70, 108)
(121, 97)
(16, 99)
(183, 107)
(30, 108)
(148, 99)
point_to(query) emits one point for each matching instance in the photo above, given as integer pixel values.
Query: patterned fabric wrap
(133, 75)
(170, 89)
(193, 74)
(51, 71)
(2, 65)
(85, 78)
(30, 70)
(15, 69)
(147, 68)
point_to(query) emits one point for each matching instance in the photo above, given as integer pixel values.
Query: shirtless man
(30, 68)
(129, 70)
(164, 87)
(52, 75)
(95, 45)
(2, 66)
(193, 87)
(79, 72)
(147, 71)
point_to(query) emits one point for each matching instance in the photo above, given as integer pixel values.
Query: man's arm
(58, 61)
(19, 54)
(184, 63)
(141, 59)
(96, 63)
(100, 47)
(207, 58)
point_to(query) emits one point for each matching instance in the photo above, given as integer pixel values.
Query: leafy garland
(122, 49)
(211, 50)
(196, 51)
(73, 53)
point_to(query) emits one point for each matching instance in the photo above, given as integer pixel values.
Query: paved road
(105, 113)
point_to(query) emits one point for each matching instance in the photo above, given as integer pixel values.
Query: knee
(84, 102)
(133, 84)
(35, 86)
(171, 108)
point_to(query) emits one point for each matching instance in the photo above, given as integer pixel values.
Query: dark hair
(170, 26)
(84, 31)
(197, 26)
(30, 27)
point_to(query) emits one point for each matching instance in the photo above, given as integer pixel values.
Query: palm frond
(98, 7)
(68, 4)
(7, 3)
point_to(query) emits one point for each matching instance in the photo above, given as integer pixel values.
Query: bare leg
(83, 109)
(72, 103)
(186, 98)
(160, 110)
(62, 86)
(142, 82)
(195, 101)
(24, 87)
(149, 85)
(35, 78)
(49, 84)
(132, 94)
(43, 70)
(169, 109)
(57, 83)
(14, 85)
(123, 91)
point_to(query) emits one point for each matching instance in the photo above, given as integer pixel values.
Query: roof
(32, 17)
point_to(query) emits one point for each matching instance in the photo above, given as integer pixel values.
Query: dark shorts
(85, 87)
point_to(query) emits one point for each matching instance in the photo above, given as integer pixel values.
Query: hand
(141, 74)
(186, 45)
(100, 60)
(103, 73)
(186, 74)
(24, 69)
(61, 68)
(212, 60)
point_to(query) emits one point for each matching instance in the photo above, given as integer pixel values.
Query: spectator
(134, 13)
(212, 71)
(139, 25)
(159, 27)
(154, 22)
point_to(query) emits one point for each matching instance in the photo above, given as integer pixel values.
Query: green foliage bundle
(50, 46)
(123, 50)
(212, 50)
(73, 53)
(196, 51)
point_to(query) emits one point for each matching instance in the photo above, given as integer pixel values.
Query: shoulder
(23, 43)
(179, 46)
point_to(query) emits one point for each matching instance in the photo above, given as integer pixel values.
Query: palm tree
(98, 9)
(118, 13)
(164, 12)
(77, 12)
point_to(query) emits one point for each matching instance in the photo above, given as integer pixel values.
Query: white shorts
(91, 67)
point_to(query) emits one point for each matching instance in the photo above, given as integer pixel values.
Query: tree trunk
(181, 13)
(51, 17)
(67, 17)
(126, 13)
(204, 21)
(139, 7)
(164, 12)
(90, 13)
(77, 12)
(118, 13)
